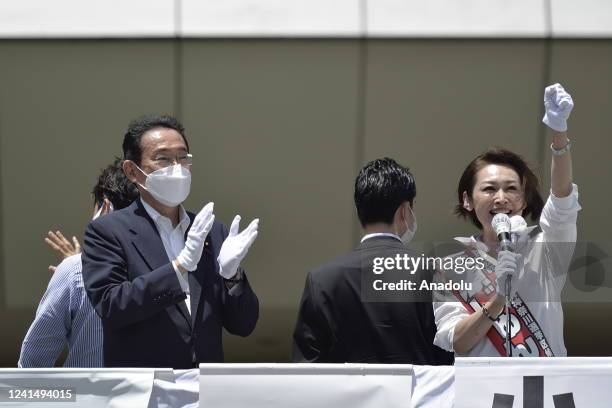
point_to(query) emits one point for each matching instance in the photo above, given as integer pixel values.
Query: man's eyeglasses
(165, 161)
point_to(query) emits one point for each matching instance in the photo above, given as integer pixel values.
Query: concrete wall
(279, 129)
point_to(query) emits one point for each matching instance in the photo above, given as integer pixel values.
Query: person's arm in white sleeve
(558, 220)
(447, 315)
(559, 215)
(469, 329)
(460, 331)
(558, 105)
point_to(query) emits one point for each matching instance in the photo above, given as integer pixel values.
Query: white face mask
(170, 185)
(409, 234)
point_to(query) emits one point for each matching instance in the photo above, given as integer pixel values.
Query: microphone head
(517, 224)
(501, 224)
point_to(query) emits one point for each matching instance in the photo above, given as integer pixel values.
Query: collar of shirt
(163, 223)
(173, 240)
(381, 234)
(475, 241)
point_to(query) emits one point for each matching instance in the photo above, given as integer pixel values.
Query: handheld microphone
(501, 226)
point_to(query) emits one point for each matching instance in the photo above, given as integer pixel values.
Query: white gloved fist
(192, 252)
(558, 104)
(235, 247)
(508, 264)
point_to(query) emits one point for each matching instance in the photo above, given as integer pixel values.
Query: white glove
(508, 264)
(235, 247)
(192, 252)
(558, 104)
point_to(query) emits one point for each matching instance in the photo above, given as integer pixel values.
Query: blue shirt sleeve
(48, 333)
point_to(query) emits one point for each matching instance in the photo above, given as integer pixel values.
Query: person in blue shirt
(65, 316)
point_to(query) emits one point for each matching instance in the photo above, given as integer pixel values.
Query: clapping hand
(194, 245)
(236, 246)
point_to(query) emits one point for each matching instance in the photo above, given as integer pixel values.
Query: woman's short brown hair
(500, 156)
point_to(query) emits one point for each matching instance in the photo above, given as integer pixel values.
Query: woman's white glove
(558, 104)
(235, 247)
(508, 264)
(194, 245)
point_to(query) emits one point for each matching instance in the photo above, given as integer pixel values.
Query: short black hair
(138, 127)
(380, 188)
(114, 185)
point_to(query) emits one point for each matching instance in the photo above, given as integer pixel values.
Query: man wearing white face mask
(334, 324)
(164, 281)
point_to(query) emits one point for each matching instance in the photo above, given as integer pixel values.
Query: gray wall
(279, 129)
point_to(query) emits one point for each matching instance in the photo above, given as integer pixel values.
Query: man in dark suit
(165, 282)
(337, 322)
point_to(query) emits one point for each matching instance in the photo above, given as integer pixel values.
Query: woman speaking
(473, 323)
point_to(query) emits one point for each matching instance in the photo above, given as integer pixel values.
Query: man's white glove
(508, 264)
(235, 247)
(558, 104)
(192, 252)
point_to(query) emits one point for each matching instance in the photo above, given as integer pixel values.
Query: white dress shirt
(173, 240)
(538, 287)
(380, 234)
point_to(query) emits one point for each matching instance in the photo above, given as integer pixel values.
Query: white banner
(175, 389)
(305, 385)
(76, 387)
(533, 383)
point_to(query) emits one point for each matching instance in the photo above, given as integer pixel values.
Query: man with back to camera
(165, 282)
(65, 315)
(334, 324)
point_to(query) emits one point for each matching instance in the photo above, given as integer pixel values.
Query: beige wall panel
(63, 109)
(433, 105)
(585, 68)
(586, 331)
(272, 128)
(275, 130)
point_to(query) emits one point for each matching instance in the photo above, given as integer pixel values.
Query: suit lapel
(146, 239)
(149, 245)
(195, 290)
(196, 278)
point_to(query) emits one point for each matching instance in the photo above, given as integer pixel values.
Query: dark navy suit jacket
(336, 325)
(135, 291)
